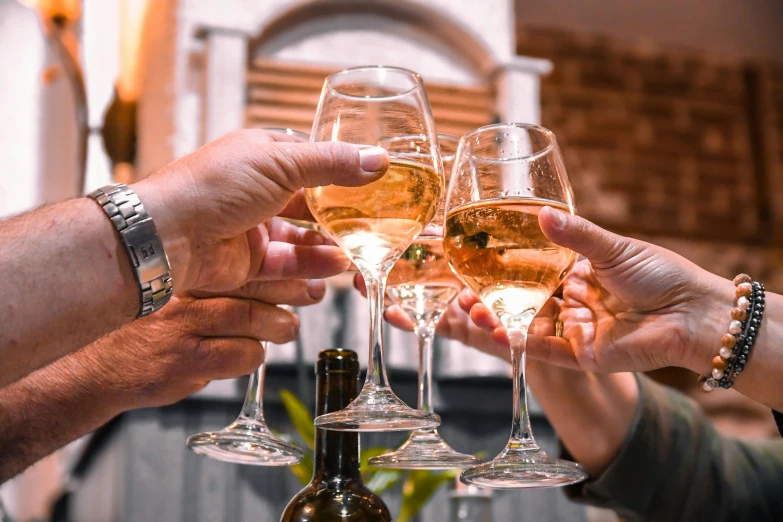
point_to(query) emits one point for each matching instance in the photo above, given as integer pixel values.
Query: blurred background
(669, 113)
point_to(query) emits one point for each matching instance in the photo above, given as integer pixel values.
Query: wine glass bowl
(374, 224)
(504, 175)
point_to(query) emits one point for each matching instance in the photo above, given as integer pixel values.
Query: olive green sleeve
(674, 466)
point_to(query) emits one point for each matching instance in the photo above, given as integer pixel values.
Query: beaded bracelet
(738, 343)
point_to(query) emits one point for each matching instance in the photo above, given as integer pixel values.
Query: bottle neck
(336, 452)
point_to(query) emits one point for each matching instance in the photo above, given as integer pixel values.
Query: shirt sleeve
(674, 466)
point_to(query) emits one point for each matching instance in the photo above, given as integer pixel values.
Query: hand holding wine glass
(630, 306)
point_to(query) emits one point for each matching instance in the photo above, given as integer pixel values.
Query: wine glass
(503, 176)
(422, 283)
(374, 224)
(248, 440)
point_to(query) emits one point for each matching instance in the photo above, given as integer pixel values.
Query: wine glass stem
(253, 407)
(521, 432)
(425, 334)
(376, 288)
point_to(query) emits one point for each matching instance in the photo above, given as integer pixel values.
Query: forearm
(66, 281)
(591, 413)
(673, 466)
(50, 408)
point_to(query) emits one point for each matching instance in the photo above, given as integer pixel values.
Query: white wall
(735, 28)
(37, 120)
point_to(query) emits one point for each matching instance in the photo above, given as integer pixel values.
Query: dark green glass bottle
(336, 493)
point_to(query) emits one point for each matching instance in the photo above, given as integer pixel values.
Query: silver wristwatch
(140, 239)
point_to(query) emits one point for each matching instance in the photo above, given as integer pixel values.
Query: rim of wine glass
(441, 137)
(288, 131)
(419, 83)
(527, 157)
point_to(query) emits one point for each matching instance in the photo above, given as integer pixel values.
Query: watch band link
(142, 243)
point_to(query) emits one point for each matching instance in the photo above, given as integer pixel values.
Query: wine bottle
(336, 493)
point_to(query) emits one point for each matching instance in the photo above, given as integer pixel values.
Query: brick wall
(676, 146)
(679, 148)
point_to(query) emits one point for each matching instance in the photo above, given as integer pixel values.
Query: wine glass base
(378, 409)
(524, 469)
(424, 450)
(246, 443)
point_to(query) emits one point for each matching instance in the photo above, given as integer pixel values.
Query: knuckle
(284, 328)
(255, 358)
(198, 349)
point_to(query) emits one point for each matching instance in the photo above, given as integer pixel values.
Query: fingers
(326, 163)
(359, 284)
(297, 208)
(287, 261)
(220, 358)
(484, 318)
(285, 232)
(233, 317)
(292, 292)
(466, 299)
(397, 317)
(603, 248)
(552, 350)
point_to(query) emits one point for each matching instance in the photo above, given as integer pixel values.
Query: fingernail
(558, 217)
(316, 288)
(373, 159)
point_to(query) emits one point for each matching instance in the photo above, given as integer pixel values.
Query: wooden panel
(286, 95)
(163, 481)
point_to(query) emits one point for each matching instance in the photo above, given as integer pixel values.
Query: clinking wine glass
(374, 224)
(503, 176)
(248, 440)
(423, 285)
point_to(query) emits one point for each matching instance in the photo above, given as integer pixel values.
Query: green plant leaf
(384, 480)
(418, 489)
(300, 417)
(367, 454)
(377, 479)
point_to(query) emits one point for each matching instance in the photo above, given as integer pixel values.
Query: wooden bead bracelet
(737, 344)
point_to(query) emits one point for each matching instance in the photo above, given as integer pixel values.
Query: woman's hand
(631, 306)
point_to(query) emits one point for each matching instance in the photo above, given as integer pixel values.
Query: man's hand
(154, 361)
(208, 205)
(67, 280)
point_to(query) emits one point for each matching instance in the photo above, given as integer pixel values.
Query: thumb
(601, 247)
(330, 163)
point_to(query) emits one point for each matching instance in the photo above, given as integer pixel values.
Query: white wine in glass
(503, 176)
(498, 248)
(374, 224)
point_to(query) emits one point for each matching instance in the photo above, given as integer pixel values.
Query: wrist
(173, 232)
(707, 322)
